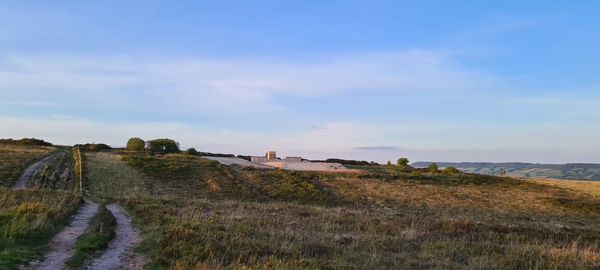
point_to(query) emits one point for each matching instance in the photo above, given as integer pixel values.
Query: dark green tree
(403, 162)
(136, 144)
(433, 168)
(450, 170)
(191, 151)
(163, 146)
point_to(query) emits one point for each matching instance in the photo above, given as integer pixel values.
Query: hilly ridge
(576, 171)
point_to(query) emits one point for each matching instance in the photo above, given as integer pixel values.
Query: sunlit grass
(28, 219)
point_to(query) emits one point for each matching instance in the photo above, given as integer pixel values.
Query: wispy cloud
(224, 85)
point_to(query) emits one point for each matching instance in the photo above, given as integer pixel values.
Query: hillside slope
(577, 171)
(197, 214)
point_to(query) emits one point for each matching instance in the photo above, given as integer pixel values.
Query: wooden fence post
(80, 172)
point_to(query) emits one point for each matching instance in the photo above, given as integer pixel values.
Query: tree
(191, 151)
(403, 162)
(163, 146)
(389, 163)
(451, 170)
(136, 144)
(433, 168)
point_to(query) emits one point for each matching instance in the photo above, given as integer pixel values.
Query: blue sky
(374, 80)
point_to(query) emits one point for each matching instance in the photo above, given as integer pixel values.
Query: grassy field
(192, 177)
(591, 188)
(197, 214)
(14, 159)
(28, 219)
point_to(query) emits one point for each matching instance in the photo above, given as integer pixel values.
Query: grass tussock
(96, 238)
(15, 158)
(28, 219)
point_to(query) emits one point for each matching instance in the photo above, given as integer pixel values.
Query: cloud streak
(224, 85)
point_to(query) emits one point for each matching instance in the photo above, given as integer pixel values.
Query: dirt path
(30, 172)
(119, 254)
(62, 245)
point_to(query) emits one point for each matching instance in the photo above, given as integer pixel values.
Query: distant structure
(271, 156)
(292, 159)
(271, 161)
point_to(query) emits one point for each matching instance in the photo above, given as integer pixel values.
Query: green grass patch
(28, 220)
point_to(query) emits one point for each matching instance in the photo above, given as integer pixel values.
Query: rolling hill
(577, 171)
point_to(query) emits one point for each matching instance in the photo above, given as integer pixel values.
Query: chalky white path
(63, 244)
(126, 238)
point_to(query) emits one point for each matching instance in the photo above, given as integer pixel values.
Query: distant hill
(579, 171)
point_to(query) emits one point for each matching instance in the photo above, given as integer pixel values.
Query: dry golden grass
(589, 187)
(510, 197)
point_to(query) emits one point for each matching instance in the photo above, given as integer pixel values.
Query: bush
(347, 162)
(450, 170)
(26, 141)
(136, 144)
(403, 162)
(93, 147)
(192, 151)
(433, 168)
(163, 146)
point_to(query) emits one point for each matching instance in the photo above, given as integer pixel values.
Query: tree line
(163, 146)
(26, 141)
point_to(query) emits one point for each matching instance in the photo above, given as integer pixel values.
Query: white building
(271, 156)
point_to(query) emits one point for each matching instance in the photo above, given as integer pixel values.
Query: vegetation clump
(450, 170)
(26, 141)
(402, 162)
(94, 147)
(348, 162)
(163, 146)
(433, 168)
(192, 151)
(136, 144)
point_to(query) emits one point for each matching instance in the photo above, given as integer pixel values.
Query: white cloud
(223, 85)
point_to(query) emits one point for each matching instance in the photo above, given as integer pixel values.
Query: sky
(493, 81)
